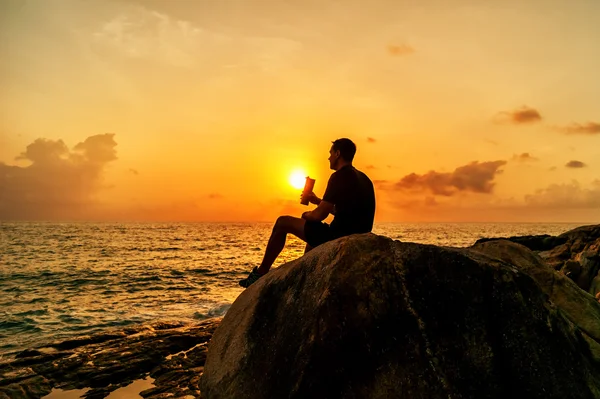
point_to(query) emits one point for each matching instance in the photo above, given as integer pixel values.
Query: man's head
(341, 153)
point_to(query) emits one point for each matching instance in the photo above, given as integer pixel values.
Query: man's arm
(311, 197)
(320, 212)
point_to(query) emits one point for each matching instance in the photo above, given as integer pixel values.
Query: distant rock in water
(576, 254)
(368, 317)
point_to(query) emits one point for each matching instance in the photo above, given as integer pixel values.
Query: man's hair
(346, 148)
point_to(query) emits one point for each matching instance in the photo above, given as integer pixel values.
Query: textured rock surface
(575, 253)
(367, 317)
(579, 307)
(172, 354)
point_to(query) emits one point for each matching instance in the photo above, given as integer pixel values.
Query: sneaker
(252, 277)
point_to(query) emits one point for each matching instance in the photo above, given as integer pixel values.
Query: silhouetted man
(349, 196)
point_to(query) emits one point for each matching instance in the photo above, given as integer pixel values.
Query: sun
(297, 179)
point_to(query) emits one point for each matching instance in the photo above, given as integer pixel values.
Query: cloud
(58, 183)
(474, 177)
(524, 157)
(370, 167)
(215, 196)
(138, 32)
(524, 115)
(134, 171)
(399, 50)
(566, 196)
(371, 140)
(96, 150)
(575, 164)
(142, 33)
(578, 128)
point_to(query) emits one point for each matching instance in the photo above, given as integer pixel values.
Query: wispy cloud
(575, 164)
(581, 128)
(474, 177)
(371, 140)
(565, 196)
(523, 115)
(142, 33)
(215, 196)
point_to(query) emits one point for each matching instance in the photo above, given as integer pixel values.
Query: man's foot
(251, 279)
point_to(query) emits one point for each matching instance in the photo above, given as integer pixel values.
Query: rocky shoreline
(553, 273)
(575, 254)
(173, 354)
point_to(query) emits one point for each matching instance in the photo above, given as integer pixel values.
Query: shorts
(317, 233)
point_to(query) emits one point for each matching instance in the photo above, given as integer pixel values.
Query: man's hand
(311, 197)
(319, 213)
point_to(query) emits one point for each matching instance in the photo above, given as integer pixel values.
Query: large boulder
(367, 317)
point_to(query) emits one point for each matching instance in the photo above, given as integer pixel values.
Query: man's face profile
(334, 156)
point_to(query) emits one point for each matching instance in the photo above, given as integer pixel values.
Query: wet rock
(35, 387)
(571, 269)
(28, 353)
(368, 317)
(171, 353)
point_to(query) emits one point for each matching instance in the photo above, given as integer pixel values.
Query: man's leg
(283, 226)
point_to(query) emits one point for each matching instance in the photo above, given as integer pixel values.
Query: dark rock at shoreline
(171, 353)
(576, 254)
(368, 317)
(535, 243)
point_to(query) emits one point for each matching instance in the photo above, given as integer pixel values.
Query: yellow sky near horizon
(192, 111)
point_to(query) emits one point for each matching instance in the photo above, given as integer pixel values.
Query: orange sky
(193, 111)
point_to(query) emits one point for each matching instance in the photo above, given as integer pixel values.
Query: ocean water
(61, 280)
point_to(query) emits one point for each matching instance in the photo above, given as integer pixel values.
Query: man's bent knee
(280, 223)
(289, 224)
(284, 224)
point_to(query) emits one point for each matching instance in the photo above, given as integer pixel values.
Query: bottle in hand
(308, 188)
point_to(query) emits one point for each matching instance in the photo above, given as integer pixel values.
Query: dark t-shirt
(352, 193)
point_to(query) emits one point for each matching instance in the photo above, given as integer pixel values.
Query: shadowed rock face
(172, 354)
(368, 317)
(582, 309)
(576, 254)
